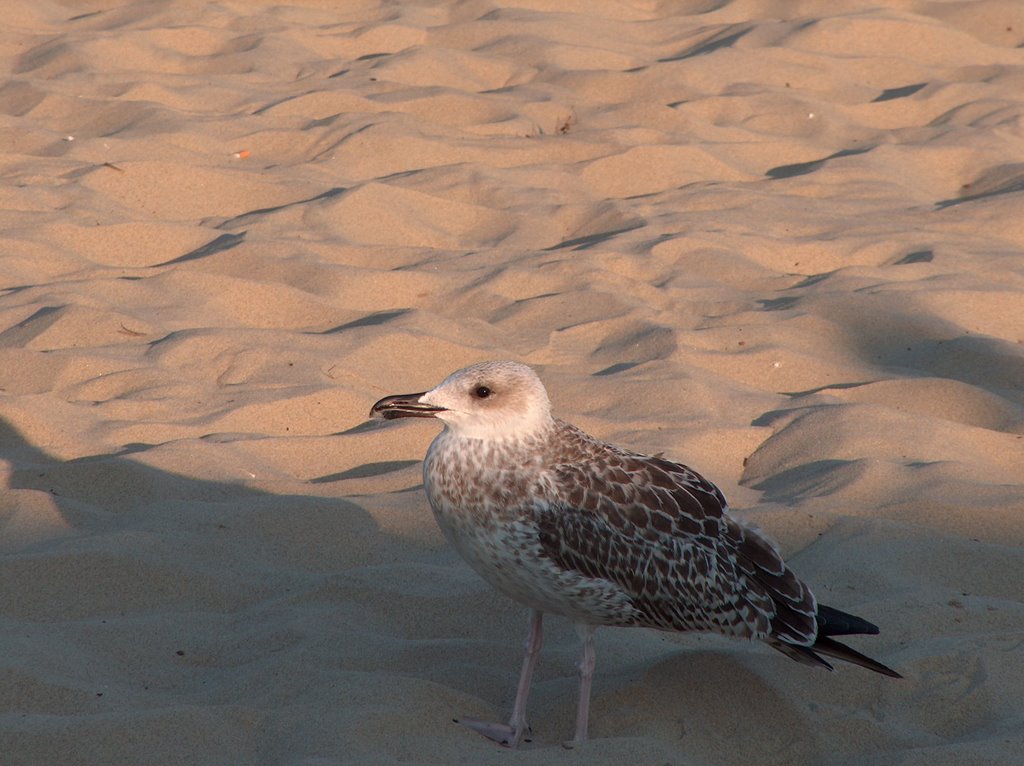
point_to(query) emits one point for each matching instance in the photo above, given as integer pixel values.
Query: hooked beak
(404, 406)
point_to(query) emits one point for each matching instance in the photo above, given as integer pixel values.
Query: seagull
(567, 524)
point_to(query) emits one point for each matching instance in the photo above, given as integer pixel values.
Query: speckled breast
(485, 503)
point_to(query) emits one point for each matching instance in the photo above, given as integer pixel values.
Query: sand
(781, 242)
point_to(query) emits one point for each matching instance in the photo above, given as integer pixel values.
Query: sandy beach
(782, 242)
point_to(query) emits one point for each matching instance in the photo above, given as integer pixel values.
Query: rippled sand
(781, 242)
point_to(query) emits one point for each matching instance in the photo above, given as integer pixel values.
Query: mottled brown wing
(661, 532)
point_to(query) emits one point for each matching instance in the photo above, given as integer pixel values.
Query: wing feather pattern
(661, 532)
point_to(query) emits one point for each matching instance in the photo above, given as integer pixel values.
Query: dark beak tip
(402, 406)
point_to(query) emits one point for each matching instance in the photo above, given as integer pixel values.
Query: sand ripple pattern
(780, 241)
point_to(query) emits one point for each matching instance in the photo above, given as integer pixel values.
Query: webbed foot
(503, 734)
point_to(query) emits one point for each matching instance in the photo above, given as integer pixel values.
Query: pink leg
(587, 662)
(510, 734)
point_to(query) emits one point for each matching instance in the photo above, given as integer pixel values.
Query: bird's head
(490, 400)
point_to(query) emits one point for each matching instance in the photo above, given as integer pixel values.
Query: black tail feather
(832, 622)
(831, 648)
(802, 654)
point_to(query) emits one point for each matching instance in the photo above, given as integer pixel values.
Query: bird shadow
(132, 593)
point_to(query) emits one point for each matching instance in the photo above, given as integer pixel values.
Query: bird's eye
(481, 392)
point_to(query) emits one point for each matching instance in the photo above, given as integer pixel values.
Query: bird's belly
(508, 555)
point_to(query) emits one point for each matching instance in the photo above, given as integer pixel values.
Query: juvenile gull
(567, 524)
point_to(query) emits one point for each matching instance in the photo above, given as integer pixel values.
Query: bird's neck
(504, 432)
(507, 450)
